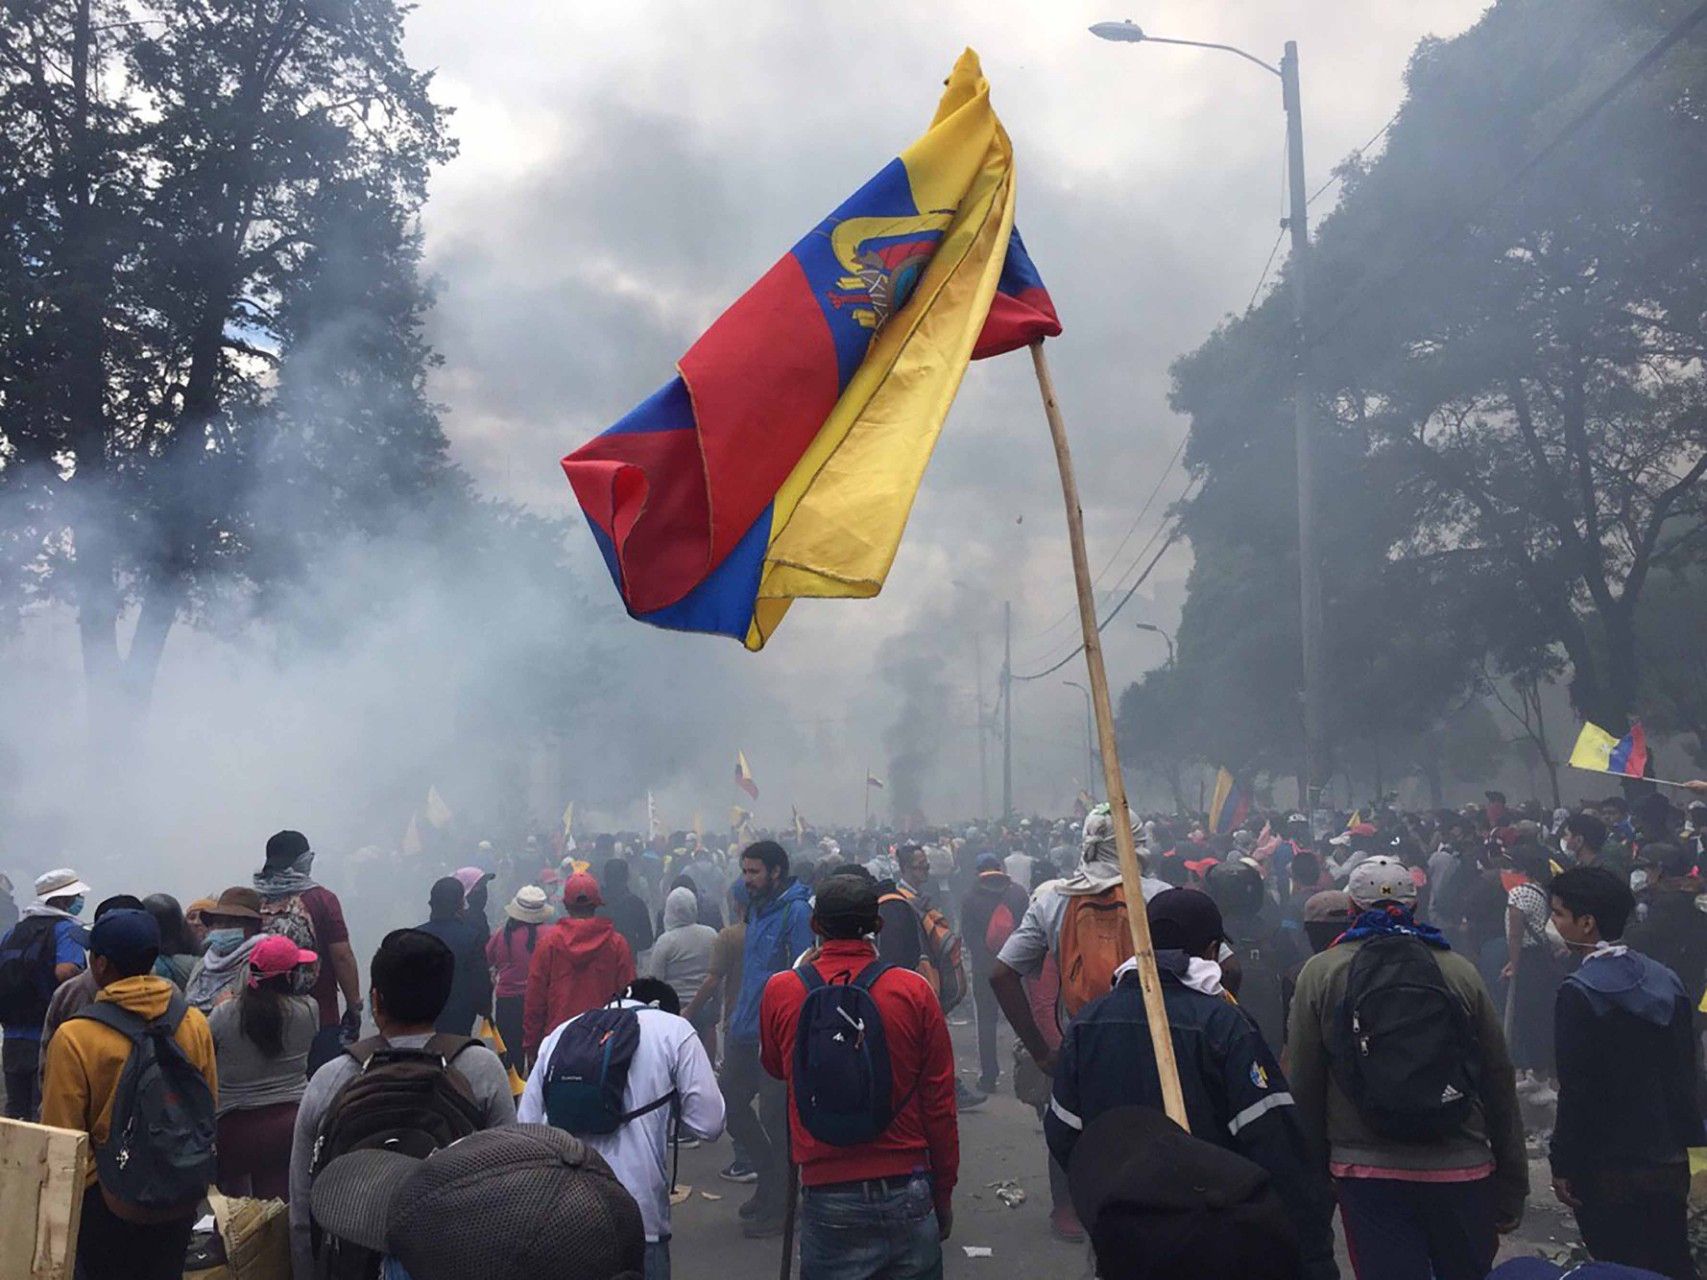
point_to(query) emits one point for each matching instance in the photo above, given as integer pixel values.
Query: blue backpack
(843, 1082)
(588, 1073)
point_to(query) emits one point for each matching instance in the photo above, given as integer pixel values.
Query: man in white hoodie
(669, 1062)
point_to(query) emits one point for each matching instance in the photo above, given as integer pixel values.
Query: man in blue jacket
(779, 928)
(1627, 1110)
(1235, 1094)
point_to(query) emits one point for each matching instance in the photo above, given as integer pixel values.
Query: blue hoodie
(777, 932)
(1626, 1056)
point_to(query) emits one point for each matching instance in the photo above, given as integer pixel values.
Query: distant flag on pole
(783, 459)
(568, 819)
(872, 780)
(412, 844)
(744, 776)
(799, 825)
(1230, 804)
(699, 825)
(1599, 751)
(651, 816)
(438, 812)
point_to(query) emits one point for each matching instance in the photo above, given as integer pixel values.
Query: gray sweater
(487, 1080)
(247, 1077)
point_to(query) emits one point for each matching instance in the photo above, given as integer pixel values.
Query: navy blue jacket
(1235, 1093)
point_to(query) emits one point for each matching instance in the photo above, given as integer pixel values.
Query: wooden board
(42, 1171)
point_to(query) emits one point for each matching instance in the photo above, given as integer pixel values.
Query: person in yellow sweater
(140, 1203)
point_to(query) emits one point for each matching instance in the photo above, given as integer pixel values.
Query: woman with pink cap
(262, 1040)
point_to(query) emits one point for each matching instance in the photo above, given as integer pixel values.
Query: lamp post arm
(1203, 44)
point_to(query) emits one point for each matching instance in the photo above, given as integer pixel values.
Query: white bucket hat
(530, 905)
(60, 883)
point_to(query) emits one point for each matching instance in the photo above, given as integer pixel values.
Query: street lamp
(1309, 581)
(1150, 626)
(1090, 737)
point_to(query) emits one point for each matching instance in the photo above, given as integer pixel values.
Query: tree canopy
(1506, 356)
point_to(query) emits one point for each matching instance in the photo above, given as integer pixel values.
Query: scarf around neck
(219, 971)
(1383, 922)
(281, 882)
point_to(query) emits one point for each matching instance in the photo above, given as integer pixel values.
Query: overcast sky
(627, 169)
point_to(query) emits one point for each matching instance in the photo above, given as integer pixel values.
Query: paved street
(1001, 1140)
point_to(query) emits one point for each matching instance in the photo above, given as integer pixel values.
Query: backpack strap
(869, 975)
(128, 1022)
(363, 1050)
(449, 1047)
(809, 977)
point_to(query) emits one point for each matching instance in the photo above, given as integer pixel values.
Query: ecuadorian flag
(1599, 751)
(783, 458)
(1230, 805)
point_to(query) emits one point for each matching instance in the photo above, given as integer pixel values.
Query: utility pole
(1303, 439)
(1007, 709)
(983, 731)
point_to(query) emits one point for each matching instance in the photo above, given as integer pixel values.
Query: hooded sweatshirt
(578, 965)
(1626, 1067)
(682, 954)
(85, 1059)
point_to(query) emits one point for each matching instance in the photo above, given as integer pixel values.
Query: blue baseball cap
(988, 862)
(125, 937)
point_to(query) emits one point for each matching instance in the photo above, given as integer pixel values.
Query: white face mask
(1638, 880)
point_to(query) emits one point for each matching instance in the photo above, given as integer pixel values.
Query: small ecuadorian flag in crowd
(783, 458)
(1598, 750)
(1230, 805)
(744, 775)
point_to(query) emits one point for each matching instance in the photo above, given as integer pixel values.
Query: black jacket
(1235, 1093)
(471, 985)
(1626, 1057)
(1675, 934)
(993, 888)
(628, 913)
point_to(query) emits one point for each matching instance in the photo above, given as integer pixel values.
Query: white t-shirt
(669, 1056)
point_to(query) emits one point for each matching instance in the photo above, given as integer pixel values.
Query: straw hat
(530, 905)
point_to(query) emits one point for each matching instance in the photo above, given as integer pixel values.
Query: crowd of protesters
(1369, 1022)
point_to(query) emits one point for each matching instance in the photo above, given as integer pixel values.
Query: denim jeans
(658, 1259)
(868, 1231)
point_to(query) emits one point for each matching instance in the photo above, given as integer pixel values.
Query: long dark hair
(512, 924)
(261, 1012)
(175, 936)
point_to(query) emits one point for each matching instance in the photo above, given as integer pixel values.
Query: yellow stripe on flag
(838, 518)
(1594, 749)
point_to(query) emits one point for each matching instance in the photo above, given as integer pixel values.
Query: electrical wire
(1113, 613)
(1073, 610)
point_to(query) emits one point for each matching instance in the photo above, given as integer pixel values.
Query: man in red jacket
(857, 1197)
(579, 965)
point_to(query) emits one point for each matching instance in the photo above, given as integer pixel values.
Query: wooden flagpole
(1155, 1011)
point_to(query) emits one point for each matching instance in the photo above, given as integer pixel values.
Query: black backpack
(843, 1083)
(26, 971)
(407, 1100)
(1401, 1048)
(159, 1152)
(587, 1077)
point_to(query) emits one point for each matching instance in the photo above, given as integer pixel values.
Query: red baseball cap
(581, 890)
(276, 954)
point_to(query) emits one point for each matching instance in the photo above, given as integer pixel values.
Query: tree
(1511, 400)
(1534, 372)
(209, 313)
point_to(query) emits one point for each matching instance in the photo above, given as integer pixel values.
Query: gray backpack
(159, 1153)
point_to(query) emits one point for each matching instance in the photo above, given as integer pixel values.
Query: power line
(1113, 613)
(1377, 285)
(1073, 610)
(1358, 153)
